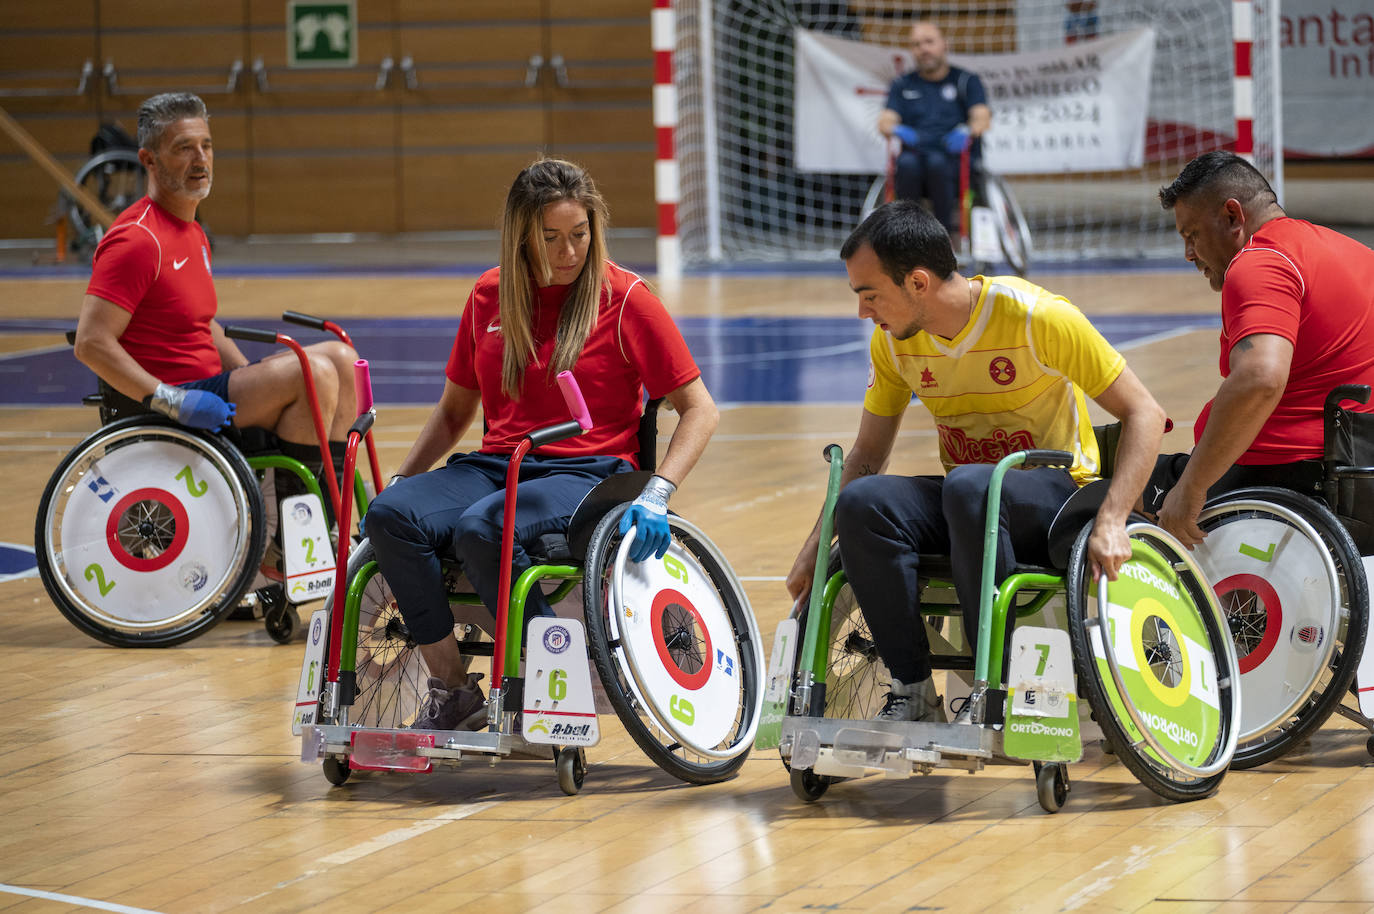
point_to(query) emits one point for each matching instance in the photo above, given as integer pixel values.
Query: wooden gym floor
(168, 780)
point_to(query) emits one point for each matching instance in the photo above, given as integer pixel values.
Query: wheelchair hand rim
(745, 741)
(1223, 758)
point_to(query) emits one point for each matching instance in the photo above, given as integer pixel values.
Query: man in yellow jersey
(1003, 365)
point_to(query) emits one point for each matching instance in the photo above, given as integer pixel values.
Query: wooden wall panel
(509, 43)
(458, 193)
(626, 179)
(159, 15)
(607, 124)
(162, 61)
(53, 54)
(421, 11)
(425, 128)
(47, 15)
(310, 193)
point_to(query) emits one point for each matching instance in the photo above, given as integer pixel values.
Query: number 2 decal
(309, 544)
(195, 487)
(95, 571)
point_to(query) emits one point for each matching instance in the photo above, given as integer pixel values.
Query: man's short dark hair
(904, 236)
(155, 114)
(1218, 176)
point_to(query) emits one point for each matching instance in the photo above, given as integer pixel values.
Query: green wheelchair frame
(1024, 593)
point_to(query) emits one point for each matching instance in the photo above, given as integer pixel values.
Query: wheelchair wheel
(1292, 585)
(391, 677)
(856, 679)
(1012, 229)
(116, 178)
(1167, 695)
(685, 675)
(149, 533)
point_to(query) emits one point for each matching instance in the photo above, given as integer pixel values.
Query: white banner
(1076, 108)
(1327, 56)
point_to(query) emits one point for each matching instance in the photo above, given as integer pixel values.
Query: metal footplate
(859, 748)
(373, 749)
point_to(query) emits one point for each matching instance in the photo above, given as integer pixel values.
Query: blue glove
(192, 408)
(957, 140)
(907, 134)
(649, 515)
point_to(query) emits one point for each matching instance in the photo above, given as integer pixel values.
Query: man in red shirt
(147, 324)
(1297, 312)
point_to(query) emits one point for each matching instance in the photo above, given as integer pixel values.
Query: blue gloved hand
(192, 408)
(649, 515)
(907, 134)
(957, 140)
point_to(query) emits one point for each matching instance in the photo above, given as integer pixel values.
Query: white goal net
(755, 188)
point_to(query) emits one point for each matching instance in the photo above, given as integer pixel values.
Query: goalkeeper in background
(937, 111)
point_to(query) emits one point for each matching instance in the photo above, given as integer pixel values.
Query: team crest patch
(1002, 370)
(928, 379)
(949, 92)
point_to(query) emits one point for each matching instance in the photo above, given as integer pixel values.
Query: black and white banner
(1076, 108)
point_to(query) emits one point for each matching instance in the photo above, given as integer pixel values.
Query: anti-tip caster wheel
(336, 770)
(1051, 786)
(808, 785)
(282, 623)
(572, 769)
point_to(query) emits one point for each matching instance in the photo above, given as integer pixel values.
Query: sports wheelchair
(1150, 653)
(673, 641)
(1288, 573)
(992, 227)
(149, 533)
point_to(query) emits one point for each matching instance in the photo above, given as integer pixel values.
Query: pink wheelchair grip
(362, 385)
(572, 395)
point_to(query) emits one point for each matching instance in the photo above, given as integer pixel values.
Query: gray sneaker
(911, 702)
(463, 708)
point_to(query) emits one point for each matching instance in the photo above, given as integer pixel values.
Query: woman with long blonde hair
(555, 303)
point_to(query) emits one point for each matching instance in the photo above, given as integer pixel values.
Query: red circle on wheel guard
(168, 501)
(1273, 615)
(692, 681)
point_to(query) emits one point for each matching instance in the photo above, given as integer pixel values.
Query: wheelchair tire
(391, 678)
(856, 679)
(1013, 231)
(1261, 607)
(1163, 666)
(116, 178)
(127, 506)
(617, 675)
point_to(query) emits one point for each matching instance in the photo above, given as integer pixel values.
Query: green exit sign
(320, 34)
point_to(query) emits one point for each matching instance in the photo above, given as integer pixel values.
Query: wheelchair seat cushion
(1073, 516)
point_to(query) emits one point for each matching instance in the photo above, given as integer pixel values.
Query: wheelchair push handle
(581, 421)
(304, 320)
(1047, 458)
(572, 395)
(1339, 394)
(251, 333)
(362, 386)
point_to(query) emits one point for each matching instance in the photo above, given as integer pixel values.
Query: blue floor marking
(742, 359)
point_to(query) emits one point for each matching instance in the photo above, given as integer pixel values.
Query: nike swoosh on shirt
(178, 264)
(493, 327)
